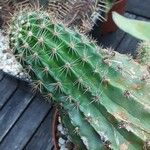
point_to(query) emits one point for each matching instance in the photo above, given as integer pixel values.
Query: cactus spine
(103, 92)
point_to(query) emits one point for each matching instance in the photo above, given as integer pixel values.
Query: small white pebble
(68, 137)
(61, 141)
(8, 56)
(63, 147)
(59, 144)
(8, 63)
(60, 127)
(59, 119)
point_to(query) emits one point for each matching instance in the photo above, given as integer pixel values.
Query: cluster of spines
(144, 53)
(83, 14)
(70, 67)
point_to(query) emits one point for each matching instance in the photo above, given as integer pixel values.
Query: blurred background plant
(8, 7)
(82, 14)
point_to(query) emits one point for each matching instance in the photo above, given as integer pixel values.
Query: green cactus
(104, 93)
(71, 131)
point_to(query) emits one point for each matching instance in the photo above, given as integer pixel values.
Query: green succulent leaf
(138, 29)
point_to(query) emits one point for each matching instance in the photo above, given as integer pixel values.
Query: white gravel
(64, 142)
(8, 63)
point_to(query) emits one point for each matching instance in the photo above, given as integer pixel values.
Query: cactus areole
(106, 95)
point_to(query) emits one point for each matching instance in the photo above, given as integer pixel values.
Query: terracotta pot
(109, 25)
(54, 129)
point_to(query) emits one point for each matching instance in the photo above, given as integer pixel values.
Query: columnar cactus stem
(72, 131)
(102, 92)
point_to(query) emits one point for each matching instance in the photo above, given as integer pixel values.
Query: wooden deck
(25, 119)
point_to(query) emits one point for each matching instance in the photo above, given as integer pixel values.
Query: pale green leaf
(137, 28)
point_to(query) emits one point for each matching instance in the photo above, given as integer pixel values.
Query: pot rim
(54, 128)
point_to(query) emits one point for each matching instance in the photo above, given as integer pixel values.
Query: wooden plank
(139, 7)
(142, 18)
(26, 126)
(12, 110)
(1, 75)
(128, 45)
(43, 135)
(7, 86)
(113, 39)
